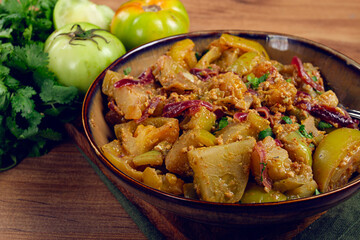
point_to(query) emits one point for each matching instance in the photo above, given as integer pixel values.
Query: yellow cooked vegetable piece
(245, 63)
(244, 44)
(168, 182)
(336, 158)
(297, 148)
(140, 138)
(203, 119)
(251, 127)
(221, 172)
(256, 194)
(305, 190)
(173, 76)
(152, 158)
(114, 152)
(176, 160)
(131, 100)
(182, 52)
(212, 55)
(110, 78)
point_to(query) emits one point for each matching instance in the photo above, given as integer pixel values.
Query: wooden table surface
(60, 196)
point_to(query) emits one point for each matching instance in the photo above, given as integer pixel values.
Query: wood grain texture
(59, 196)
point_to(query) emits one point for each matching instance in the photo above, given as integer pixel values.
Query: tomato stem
(82, 35)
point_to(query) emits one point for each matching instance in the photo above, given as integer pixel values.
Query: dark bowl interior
(341, 73)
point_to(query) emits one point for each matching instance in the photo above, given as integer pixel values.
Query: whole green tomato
(140, 21)
(73, 11)
(78, 53)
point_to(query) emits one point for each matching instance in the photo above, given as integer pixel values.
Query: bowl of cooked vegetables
(230, 127)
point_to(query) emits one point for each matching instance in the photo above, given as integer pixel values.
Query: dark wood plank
(57, 196)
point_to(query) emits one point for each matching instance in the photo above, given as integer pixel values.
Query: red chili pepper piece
(304, 76)
(146, 77)
(175, 109)
(328, 114)
(126, 82)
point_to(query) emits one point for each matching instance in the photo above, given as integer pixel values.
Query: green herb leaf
(304, 133)
(314, 78)
(198, 56)
(267, 132)
(317, 192)
(33, 105)
(254, 82)
(223, 122)
(263, 167)
(324, 125)
(127, 71)
(287, 120)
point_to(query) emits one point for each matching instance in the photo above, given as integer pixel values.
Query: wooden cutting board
(176, 227)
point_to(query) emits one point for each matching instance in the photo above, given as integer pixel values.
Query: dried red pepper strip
(126, 82)
(328, 114)
(304, 76)
(204, 74)
(176, 108)
(146, 77)
(154, 102)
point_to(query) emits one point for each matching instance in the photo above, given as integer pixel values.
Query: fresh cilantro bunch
(33, 106)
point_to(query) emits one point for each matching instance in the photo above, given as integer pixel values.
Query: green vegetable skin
(75, 11)
(336, 158)
(77, 63)
(33, 106)
(140, 21)
(256, 194)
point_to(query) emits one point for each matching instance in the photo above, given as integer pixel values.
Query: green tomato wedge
(74, 11)
(256, 194)
(336, 158)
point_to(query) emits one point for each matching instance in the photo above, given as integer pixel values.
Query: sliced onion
(241, 116)
(263, 112)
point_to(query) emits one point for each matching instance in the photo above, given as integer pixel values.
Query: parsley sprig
(33, 105)
(223, 122)
(304, 133)
(254, 82)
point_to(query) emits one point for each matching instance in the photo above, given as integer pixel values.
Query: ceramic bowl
(340, 72)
